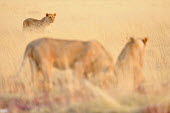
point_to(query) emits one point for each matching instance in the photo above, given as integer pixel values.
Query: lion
(83, 57)
(31, 23)
(130, 62)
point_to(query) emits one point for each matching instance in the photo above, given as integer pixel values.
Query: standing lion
(32, 24)
(129, 64)
(83, 57)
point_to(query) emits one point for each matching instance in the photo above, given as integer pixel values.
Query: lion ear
(54, 14)
(145, 40)
(46, 14)
(132, 39)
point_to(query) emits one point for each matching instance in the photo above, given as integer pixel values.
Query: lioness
(84, 57)
(130, 62)
(31, 23)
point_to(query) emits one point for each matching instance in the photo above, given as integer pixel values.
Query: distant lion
(31, 23)
(130, 62)
(83, 57)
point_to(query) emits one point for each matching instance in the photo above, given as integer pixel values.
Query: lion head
(130, 62)
(49, 18)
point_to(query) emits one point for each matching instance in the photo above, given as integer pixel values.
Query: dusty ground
(111, 22)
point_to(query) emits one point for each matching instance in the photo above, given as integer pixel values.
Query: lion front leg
(138, 79)
(78, 69)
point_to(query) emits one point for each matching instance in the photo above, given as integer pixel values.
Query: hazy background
(111, 22)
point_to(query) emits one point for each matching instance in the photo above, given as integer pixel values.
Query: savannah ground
(111, 22)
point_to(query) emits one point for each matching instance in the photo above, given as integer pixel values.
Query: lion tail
(27, 51)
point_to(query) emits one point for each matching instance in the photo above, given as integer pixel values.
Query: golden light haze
(111, 22)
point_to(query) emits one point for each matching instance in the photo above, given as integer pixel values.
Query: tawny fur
(83, 57)
(32, 24)
(130, 62)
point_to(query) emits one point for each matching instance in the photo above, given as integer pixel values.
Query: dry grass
(110, 22)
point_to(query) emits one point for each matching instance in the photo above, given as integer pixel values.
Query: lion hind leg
(33, 68)
(46, 70)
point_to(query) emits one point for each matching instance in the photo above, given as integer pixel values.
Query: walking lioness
(130, 62)
(31, 23)
(83, 57)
